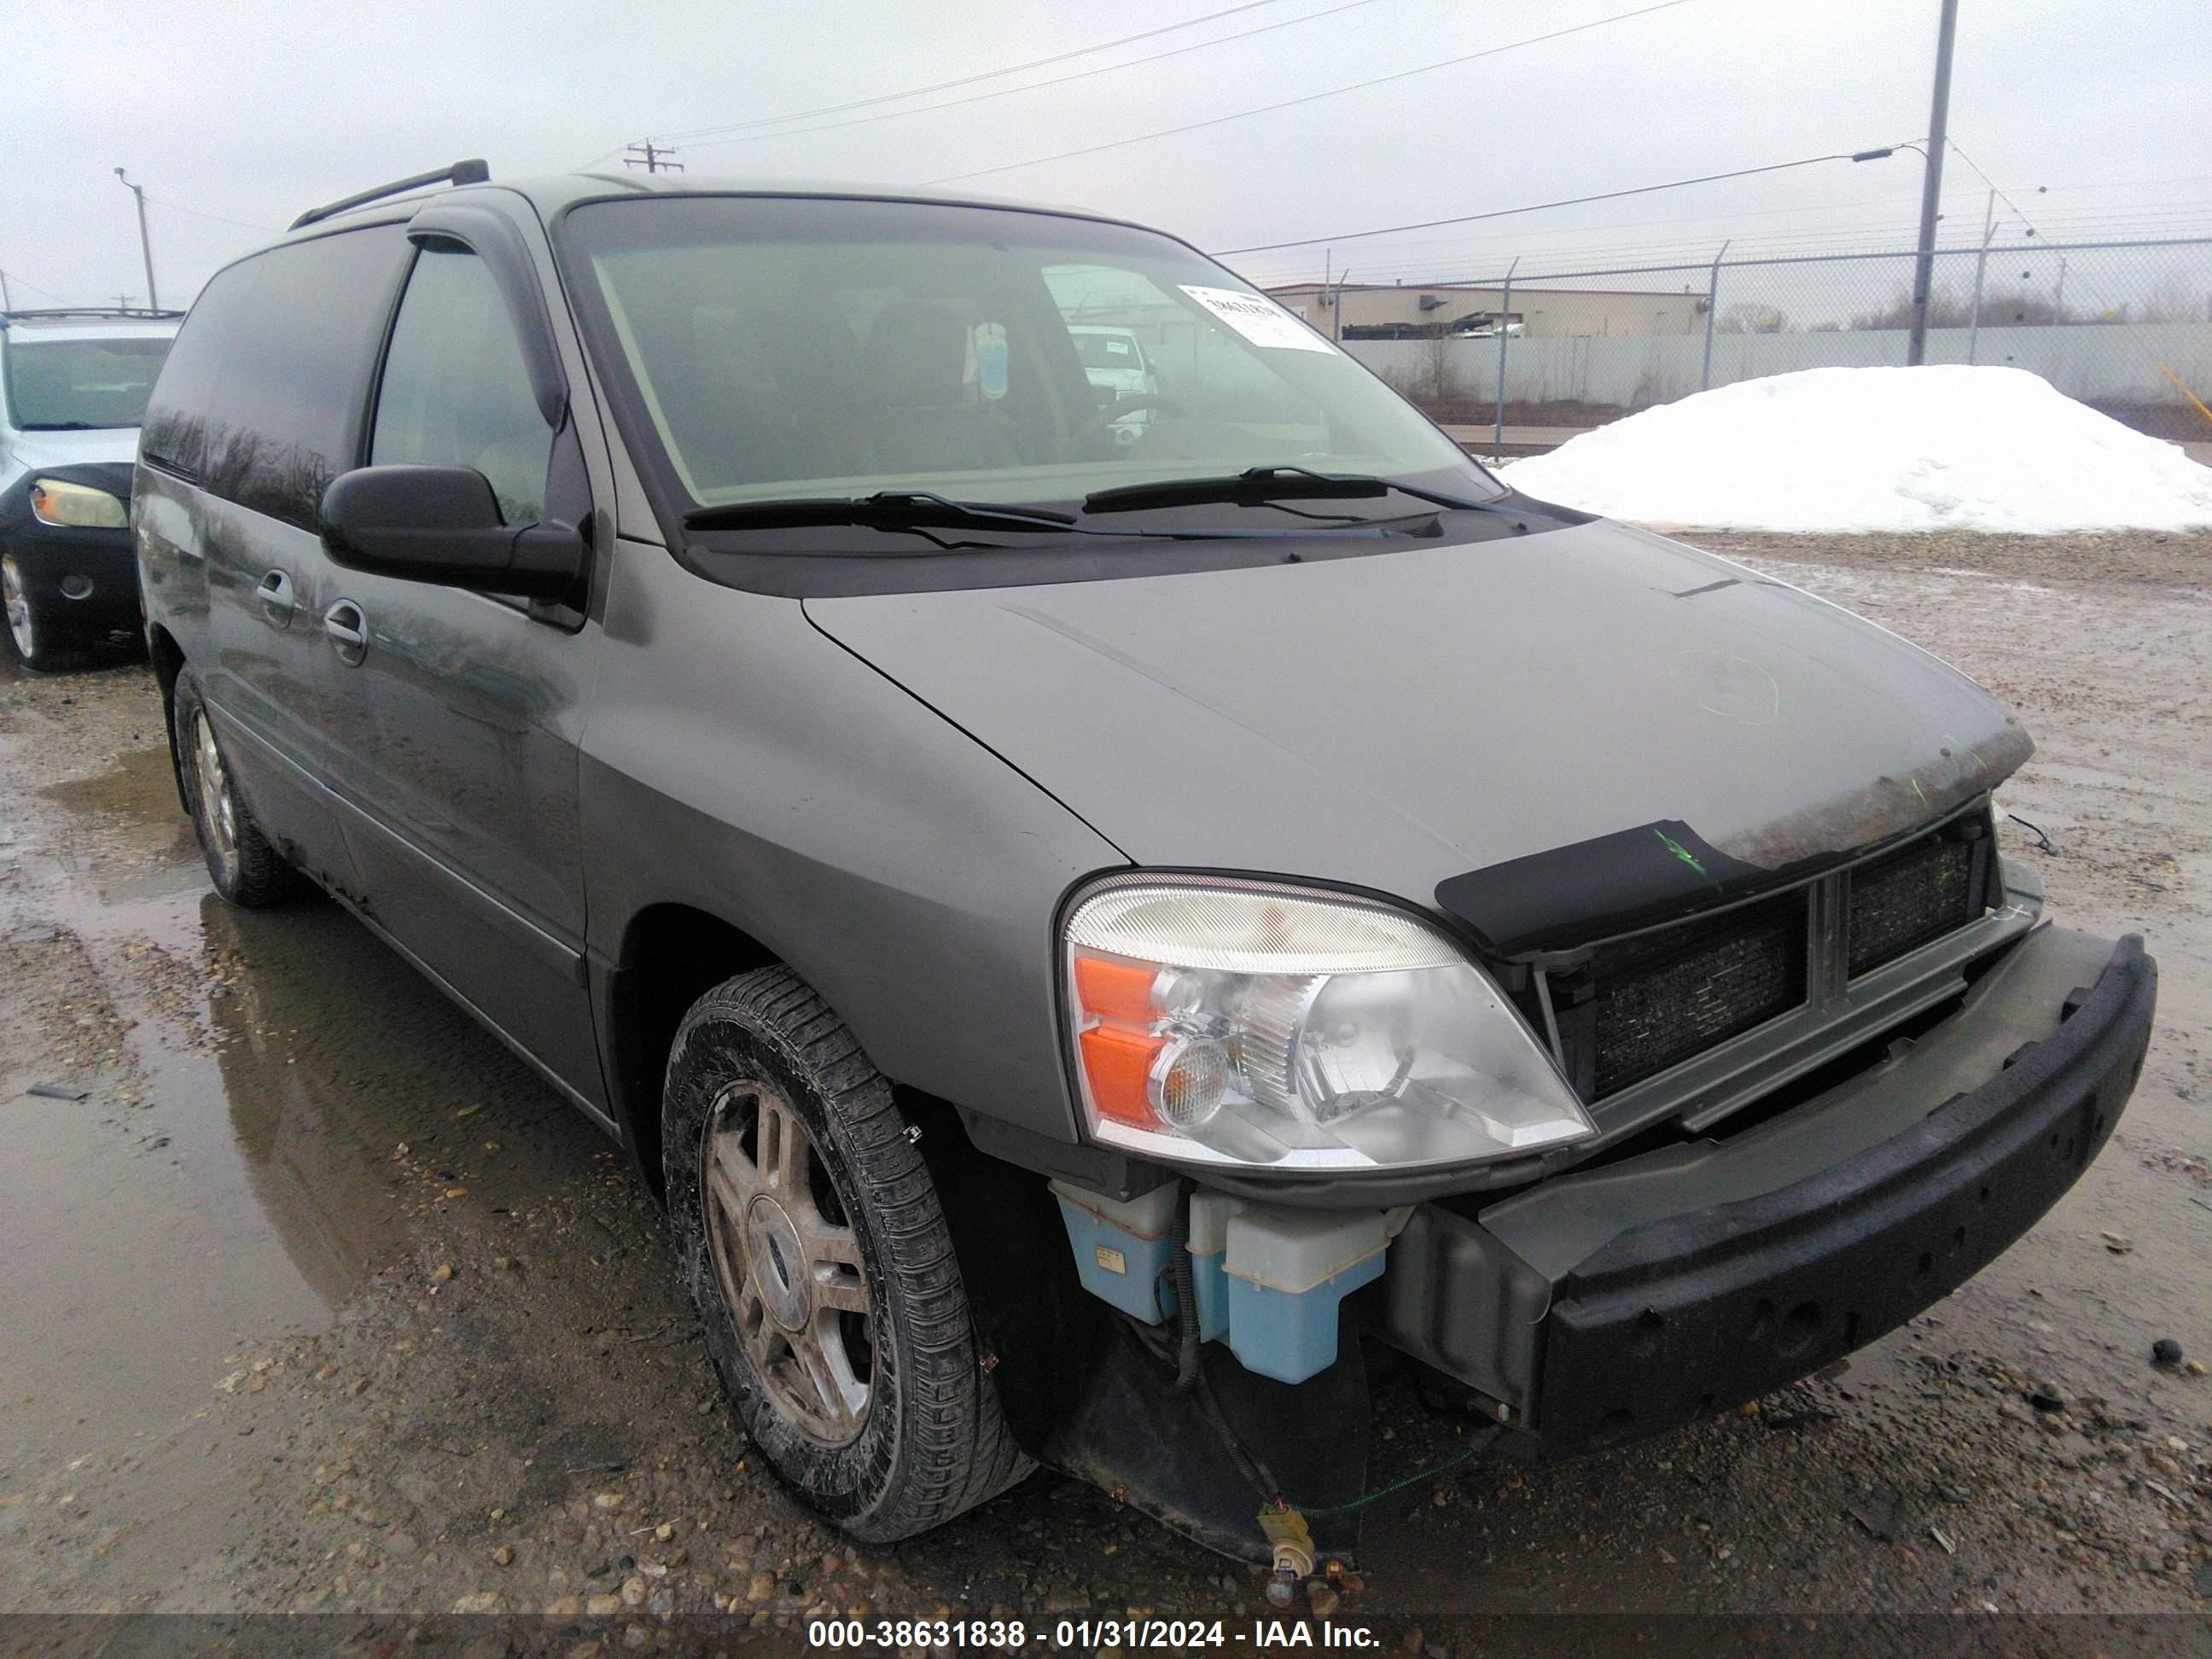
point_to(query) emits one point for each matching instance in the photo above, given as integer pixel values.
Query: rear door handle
(347, 630)
(277, 603)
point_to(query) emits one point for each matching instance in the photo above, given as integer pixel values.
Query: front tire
(815, 1249)
(244, 865)
(31, 636)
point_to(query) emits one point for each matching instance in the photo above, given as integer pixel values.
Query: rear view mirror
(441, 524)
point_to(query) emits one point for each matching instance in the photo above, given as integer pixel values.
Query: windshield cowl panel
(825, 560)
(780, 349)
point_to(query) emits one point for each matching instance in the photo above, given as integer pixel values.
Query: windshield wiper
(887, 509)
(1259, 486)
(920, 512)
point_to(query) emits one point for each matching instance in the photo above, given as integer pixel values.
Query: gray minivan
(1086, 936)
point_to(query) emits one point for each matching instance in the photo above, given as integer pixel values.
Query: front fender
(738, 761)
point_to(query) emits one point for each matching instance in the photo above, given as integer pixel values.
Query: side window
(174, 433)
(456, 391)
(294, 348)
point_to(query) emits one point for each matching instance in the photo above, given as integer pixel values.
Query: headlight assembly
(1221, 1022)
(76, 506)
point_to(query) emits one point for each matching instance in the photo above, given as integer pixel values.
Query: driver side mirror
(441, 524)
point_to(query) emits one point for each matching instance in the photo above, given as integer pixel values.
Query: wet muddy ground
(316, 1299)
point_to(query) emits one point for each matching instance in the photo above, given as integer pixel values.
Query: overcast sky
(229, 111)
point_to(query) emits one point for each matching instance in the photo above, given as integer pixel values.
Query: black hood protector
(1611, 884)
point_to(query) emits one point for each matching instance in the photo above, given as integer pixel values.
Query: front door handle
(277, 602)
(347, 630)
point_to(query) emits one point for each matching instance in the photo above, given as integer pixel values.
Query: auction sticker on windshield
(1260, 321)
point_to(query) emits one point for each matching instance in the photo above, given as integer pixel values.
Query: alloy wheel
(218, 813)
(787, 1262)
(19, 625)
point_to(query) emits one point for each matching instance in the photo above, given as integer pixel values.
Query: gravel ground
(320, 1303)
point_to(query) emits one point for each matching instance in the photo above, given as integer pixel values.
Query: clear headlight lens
(57, 502)
(1258, 1024)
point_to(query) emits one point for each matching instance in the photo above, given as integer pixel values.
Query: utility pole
(653, 158)
(7, 304)
(1931, 185)
(145, 244)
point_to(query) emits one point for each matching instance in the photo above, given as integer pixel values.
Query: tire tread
(263, 878)
(955, 1449)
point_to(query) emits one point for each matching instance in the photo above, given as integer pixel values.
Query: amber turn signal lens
(1115, 990)
(1117, 1063)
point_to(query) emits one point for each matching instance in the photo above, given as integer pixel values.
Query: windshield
(62, 385)
(776, 348)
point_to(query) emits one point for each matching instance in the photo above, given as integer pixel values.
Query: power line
(1539, 207)
(1314, 97)
(2103, 297)
(1727, 218)
(1038, 85)
(19, 280)
(201, 213)
(1959, 150)
(970, 80)
(1573, 249)
(1425, 258)
(1837, 226)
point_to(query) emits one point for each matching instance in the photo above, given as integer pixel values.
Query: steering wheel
(1106, 414)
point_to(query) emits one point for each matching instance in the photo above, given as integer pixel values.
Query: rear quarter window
(267, 401)
(174, 435)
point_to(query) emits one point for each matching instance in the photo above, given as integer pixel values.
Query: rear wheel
(815, 1249)
(243, 862)
(31, 634)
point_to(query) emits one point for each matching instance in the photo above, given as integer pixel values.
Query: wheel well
(168, 660)
(167, 657)
(671, 955)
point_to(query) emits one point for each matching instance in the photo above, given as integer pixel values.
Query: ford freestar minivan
(1085, 933)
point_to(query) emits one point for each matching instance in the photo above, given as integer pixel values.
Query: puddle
(276, 1058)
(128, 1270)
(128, 837)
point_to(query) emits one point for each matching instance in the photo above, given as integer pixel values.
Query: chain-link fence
(2123, 326)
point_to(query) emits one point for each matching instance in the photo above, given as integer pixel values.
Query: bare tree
(1438, 364)
(1946, 309)
(1751, 317)
(2173, 301)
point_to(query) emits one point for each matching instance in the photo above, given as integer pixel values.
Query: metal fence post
(1981, 264)
(1712, 311)
(1504, 334)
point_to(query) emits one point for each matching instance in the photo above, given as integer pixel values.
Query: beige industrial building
(1357, 311)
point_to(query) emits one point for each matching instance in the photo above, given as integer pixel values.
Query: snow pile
(1946, 448)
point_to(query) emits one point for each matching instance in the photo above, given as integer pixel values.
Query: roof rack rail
(133, 313)
(461, 172)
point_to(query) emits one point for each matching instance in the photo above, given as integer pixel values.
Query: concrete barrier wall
(2100, 362)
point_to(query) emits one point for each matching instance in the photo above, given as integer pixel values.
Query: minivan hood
(1390, 721)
